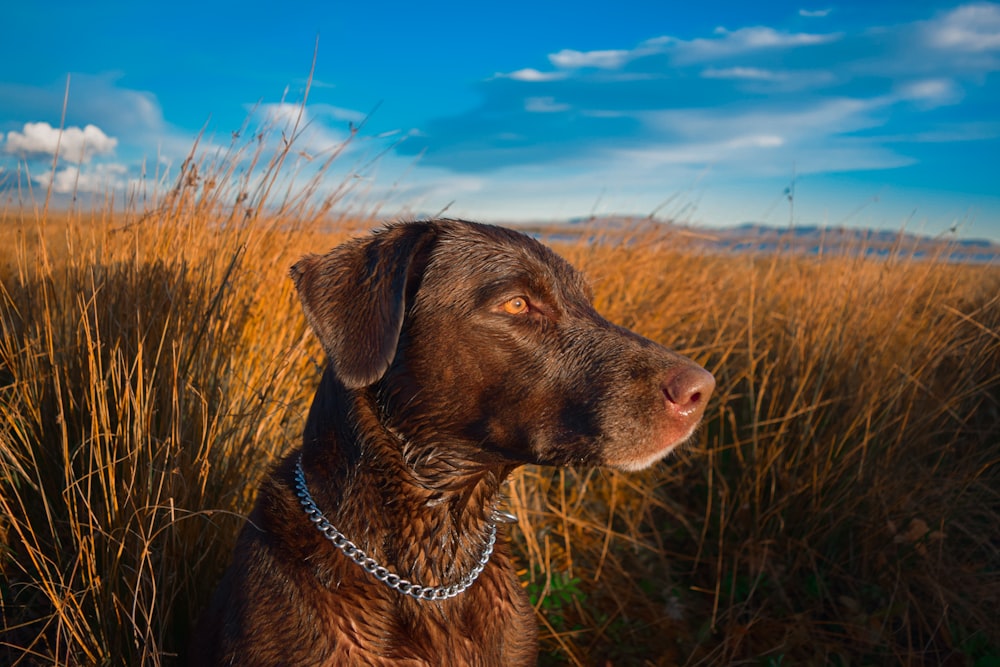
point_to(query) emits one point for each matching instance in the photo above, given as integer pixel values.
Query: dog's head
(483, 338)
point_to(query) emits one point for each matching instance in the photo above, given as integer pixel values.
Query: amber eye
(516, 306)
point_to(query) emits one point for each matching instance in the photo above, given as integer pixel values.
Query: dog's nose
(689, 389)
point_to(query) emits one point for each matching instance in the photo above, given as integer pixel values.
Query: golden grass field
(841, 505)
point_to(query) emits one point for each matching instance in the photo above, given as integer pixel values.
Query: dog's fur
(457, 352)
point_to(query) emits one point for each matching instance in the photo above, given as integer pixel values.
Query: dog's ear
(354, 298)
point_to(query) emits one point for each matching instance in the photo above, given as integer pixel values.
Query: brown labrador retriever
(457, 352)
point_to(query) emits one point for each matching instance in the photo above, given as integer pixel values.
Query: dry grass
(841, 505)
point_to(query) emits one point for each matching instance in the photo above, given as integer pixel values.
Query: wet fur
(433, 395)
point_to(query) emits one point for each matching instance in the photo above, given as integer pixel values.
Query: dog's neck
(420, 509)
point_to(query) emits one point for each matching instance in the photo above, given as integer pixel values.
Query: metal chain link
(371, 566)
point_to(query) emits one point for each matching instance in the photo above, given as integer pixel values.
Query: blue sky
(883, 114)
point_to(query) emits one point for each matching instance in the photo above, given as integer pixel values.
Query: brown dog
(457, 352)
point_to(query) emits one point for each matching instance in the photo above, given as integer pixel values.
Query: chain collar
(371, 566)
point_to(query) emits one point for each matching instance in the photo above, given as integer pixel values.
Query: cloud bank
(99, 179)
(755, 99)
(72, 144)
(974, 28)
(117, 138)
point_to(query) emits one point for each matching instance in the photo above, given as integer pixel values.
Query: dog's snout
(688, 390)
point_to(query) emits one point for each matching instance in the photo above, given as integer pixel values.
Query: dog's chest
(489, 625)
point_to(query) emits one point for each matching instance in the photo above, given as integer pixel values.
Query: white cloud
(760, 156)
(822, 118)
(700, 153)
(974, 27)
(100, 178)
(73, 144)
(531, 74)
(129, 115)
(725, 43)
(425, 191)
(611, 59)
(605, 113)
(756, 141)
(761, 37)
(313, 137)
(283, 113)
(337, 113)
(931, 92)
(815, 13)
(766, 140)
(544, 105)
(742, 73)
(745, 40)
(771, 81)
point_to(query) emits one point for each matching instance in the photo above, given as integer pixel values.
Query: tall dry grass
(840, 506)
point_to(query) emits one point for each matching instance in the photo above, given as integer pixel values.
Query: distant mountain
(804, 239)
(811, 239)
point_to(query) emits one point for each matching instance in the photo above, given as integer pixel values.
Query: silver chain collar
(371, 566)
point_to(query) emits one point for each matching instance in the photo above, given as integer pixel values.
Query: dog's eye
(516, 306)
